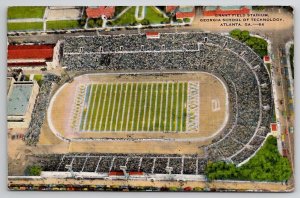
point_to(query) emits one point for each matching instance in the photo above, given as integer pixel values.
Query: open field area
(152, 16)
(19, 12)
(62, 24)
(25, 26)
(121, 102)
(135, 107)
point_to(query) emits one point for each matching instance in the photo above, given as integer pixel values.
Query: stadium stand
(235, 63)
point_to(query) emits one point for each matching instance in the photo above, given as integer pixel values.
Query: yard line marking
(129, 109)
(108, 108)
(172, 99)
(102, 112)
(165, 118)
(139, 111)
(88, 105)
(113, 109)
(134, 107)
(161, 101)
(145, 105)
(150, 106)
(155, 108)
(99, 102)
(177, 98)
(182, 106)
(91, 118)
(117, 119)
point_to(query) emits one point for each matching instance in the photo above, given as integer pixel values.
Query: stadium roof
(18, 100)
(30, 51)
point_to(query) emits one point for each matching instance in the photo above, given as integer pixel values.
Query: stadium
(138, 97)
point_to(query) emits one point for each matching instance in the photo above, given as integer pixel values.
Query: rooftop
(186, 9)
(30, 51)
(97, 12)
(18, 100)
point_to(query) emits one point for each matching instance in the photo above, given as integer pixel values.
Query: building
(182, 12)
(30, 57)
(274, 129)
(100, 11)
(267, 59)
(152, 35)
(21, 96)
(225, 10)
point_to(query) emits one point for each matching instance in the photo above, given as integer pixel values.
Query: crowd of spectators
(39, 111)
(104, 163)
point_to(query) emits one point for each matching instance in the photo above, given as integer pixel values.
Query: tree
(235, 34)
(259, 45)
(91, 23)
(266, 165)
(145, 22)
(179, 20)
(33, 170)
(99, 22)
(187, 20)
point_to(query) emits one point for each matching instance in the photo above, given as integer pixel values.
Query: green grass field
(20, 12)
(154, 16)
(25, 26)
(64, 24)
(127, 18)
(151, 15)
(135, 107)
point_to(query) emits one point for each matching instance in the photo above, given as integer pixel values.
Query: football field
(135, 106)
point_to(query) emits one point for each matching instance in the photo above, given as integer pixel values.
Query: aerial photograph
(150, 98)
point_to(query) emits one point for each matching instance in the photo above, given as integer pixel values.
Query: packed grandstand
(244, 72)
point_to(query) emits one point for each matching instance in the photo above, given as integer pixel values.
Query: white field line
(129, 109)
(187, 125)
(134, 107)
(93, 106)
(182, 106)
(145, 106)
(90, 98)
(141, 95)
(150, 106)
(177, 99)
(155, 107)
(82, 109)
(113, 110)
(172, 100)
(99, 102)
(117, 118)
(161, 102)
(166, 112)
(102, 112)
(108, 108)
